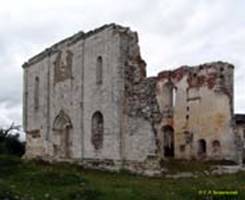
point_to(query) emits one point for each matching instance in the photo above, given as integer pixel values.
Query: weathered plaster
(144, 120)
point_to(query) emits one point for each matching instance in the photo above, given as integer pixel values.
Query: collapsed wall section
(141, 113)
(202, 110)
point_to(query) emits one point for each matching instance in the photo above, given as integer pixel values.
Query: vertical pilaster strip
(25, 98)
(123, 101)
(82, 102)
(48, 99)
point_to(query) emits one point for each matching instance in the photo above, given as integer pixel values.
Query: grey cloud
(11, 114)
(171, 33)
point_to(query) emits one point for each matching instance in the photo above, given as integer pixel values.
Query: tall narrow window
(168, 141)
(36, 94)
(97, 130)
(169, 92)
(99, 70)
(174, 96)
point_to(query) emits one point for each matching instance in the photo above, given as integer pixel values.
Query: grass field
(40, 181)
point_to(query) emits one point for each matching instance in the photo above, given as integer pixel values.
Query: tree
(9, 141)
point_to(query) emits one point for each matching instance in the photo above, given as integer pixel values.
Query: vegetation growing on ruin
(39, 181)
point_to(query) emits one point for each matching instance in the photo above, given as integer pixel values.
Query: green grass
(39, 181)
(174, 166)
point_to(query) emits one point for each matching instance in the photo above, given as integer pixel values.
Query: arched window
(36, 93)
(99, 70)
(97, 130)
(169, 92)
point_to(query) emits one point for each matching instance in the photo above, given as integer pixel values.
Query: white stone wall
(140, 140)
(36, 119)
(134, 108)
(66, 96)
(105, 98)
(79, 97)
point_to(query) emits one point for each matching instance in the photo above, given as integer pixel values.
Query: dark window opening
(36, 93)
(97, 130)
(188, 137)
(182, 148)
(168, 144)
(202, 148)
(99, 70)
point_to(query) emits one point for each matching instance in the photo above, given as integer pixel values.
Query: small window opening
(99, 71)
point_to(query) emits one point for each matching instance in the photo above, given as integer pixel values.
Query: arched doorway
(202, 148)
(168, 141)
(62, 134)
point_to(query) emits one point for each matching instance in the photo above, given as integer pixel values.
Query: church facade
(87, 99)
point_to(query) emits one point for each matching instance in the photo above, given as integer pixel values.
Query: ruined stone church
(87, 99)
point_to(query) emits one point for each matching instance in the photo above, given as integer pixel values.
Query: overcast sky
(171, 33)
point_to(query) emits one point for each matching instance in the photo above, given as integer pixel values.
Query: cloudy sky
(171, 33)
